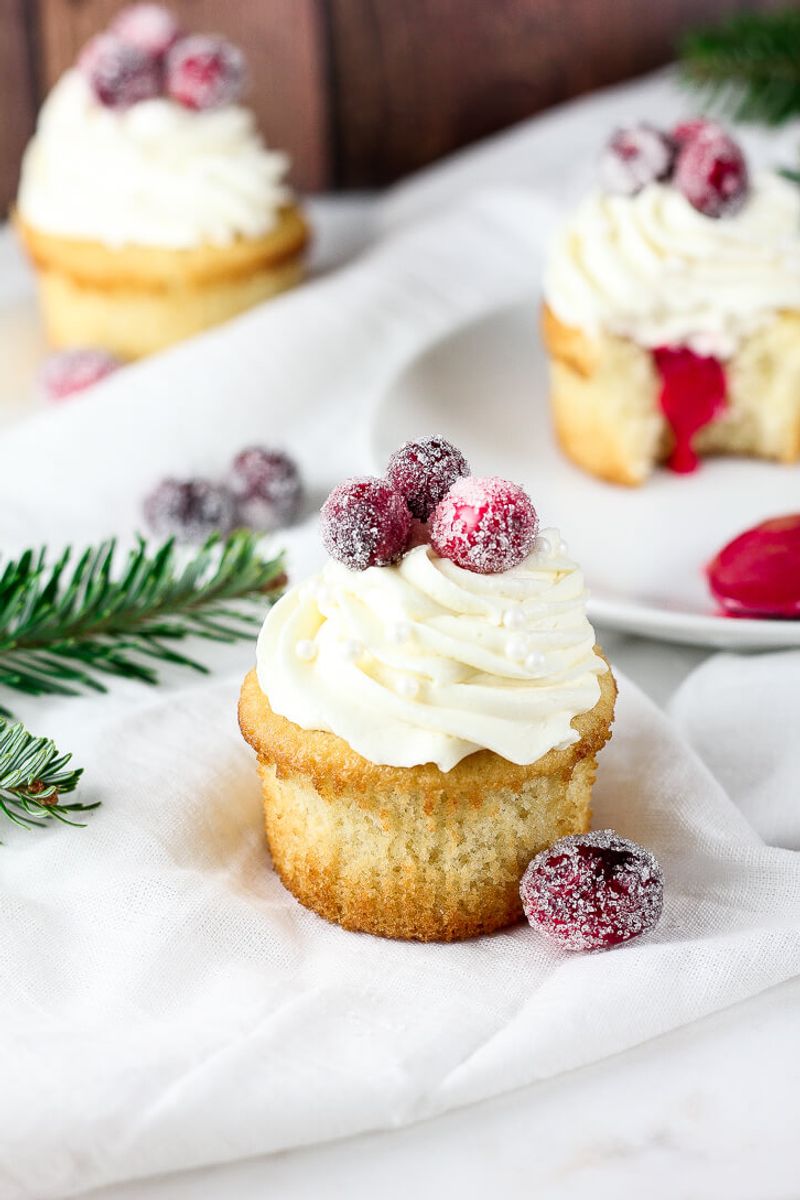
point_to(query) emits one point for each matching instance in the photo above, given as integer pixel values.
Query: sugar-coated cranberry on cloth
(151, 27)
(757, 574)
(119, 73)
(205, 72)
(592, 891)
(365, 523)
(424, 471)
(69, 371)
(267, 487)
(486, 525)
(190, 510)
(711, 172)
(634, 157)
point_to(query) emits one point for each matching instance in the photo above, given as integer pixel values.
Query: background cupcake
(148, 202)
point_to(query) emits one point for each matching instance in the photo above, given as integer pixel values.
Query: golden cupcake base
(604, 399)
(139, 299)
(414, 853)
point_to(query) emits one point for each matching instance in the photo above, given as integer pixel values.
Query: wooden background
(363, 91)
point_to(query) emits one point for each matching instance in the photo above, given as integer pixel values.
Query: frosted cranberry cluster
(428, 495)
(698, 157)
(144, 53)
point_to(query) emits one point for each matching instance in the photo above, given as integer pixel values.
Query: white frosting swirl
(426, 662)
(652, 268)
(155, 174)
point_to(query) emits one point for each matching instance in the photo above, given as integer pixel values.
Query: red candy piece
(593, 891)
(365, 523)
(424, 471)
(71, 371)
(711, 172)
(758, 573)
(684, 131)
(267, 487)
(205, 72)
(119, 73)
(635, 157)
(149, 26)
(484, 525)
(693, 392)
(190, 510)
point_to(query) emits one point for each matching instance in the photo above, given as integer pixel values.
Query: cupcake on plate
(426, 719)
(672, 308)
(148, 202)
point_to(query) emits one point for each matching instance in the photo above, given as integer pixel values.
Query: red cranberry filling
(693, 393)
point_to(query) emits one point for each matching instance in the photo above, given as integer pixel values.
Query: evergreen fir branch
(63, 626)
(33, 779)
(748, 67)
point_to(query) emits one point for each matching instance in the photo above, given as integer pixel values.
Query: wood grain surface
(361, 92)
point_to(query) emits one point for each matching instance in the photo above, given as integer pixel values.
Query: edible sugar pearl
(306, 650)
(408, 687)
(514, 618)
(543, 546)
(517, 647)
(563, 549)
(534, 662)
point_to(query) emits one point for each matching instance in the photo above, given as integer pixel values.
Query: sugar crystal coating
(151, 27)
(70, 371)
(267, 487)
(190, 510)
(365, 523)
(592, 891)
(424, 471)
(119, 73)
(634, 157)
(205, 72)
(711, 172)
(486, 525)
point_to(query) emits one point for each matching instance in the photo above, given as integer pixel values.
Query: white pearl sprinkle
(514, 618)
(563, 549)
(408, 687)
(517, 647)
(352, 649)
(534, 662)
(400, 633)
(543, 546)
(306, 650)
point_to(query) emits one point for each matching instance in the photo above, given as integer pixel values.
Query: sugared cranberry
(151, 27)
(119, 73)
(711, 172)
(190, 510)
(635, 157)
(267, 487)
(424, 471)
(592, 891)
(70, 371)
(684, 131)
(365, 523)
(758, 573)
(205, 72)
(484, 525)
(693, 393)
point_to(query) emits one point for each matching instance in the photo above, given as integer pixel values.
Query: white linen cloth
(164, 1003)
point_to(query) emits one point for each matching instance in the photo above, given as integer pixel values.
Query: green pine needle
(63, 626)
(748, 67)
(33, 778)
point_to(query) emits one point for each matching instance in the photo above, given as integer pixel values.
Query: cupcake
(148, 202)
(426, 720)
(672, 308)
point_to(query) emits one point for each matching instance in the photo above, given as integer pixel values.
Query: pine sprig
(748, 67)
(63, 626)
(33, 778)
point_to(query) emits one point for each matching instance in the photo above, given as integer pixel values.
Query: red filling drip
(693, 393)
(758, 573)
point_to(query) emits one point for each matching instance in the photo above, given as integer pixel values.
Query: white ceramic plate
(642, 550)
